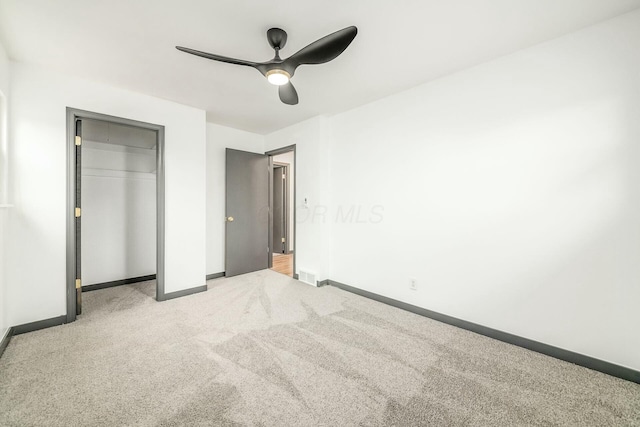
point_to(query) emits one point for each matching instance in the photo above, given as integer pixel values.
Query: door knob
(230, 219)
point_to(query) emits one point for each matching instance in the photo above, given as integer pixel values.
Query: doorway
(116, 170)
(282, 203)
(250, 241)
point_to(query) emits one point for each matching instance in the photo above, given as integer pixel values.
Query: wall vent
(308, 277)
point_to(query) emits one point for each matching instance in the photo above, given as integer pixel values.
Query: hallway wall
(289, 158)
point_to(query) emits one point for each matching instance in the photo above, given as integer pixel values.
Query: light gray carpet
(264, 349)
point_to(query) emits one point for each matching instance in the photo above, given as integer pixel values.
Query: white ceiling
(400, 44)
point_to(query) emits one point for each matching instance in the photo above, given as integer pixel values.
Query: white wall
(510, 191)
(312, 162)
(4, 97)
(4, 323)
(118, 214)
(288, 157)
(218, 139)
(35, 253)
(4, 122)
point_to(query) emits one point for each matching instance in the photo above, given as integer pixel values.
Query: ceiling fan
(280, 71)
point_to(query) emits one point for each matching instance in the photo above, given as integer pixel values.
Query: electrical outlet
(413, 284)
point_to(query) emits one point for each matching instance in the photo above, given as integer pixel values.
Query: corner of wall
(311, 138)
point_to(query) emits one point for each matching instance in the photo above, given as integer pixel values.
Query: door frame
(286, 167)
(74, 114)
(271, 153)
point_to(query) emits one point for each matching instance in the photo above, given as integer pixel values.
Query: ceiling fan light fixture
(278, 77)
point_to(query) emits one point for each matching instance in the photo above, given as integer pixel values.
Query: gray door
(279, 222)
(247, 212)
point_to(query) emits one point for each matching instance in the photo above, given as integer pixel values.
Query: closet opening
(115, 219)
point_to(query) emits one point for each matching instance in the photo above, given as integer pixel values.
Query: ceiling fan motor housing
(277, 38)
